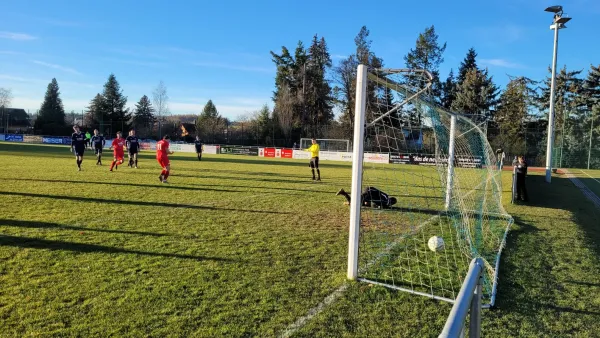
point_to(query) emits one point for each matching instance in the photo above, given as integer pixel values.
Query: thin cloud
(234, 67)
(338, 56)
(186, 51)
(136, 62)
(506, 33)
(61, 23)
(10, 52)
(501, 63)
(16, 36)
(54, 66)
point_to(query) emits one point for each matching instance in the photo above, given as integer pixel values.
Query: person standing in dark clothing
(98, 143)
(198, 145)
(521, 172)
(78, 145)
(133, 147)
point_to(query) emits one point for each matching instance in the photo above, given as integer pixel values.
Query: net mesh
(459, 200)
(327, 144)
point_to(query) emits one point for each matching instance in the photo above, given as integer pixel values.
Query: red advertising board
(287, 153)
(269, 152)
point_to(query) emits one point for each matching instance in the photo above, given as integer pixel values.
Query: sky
(219, 50)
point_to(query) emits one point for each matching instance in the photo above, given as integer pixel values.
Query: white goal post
(446, 188)
(327, 144)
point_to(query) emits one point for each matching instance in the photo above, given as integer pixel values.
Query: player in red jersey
(117, 147)
(162, 156)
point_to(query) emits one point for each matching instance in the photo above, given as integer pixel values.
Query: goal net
(327, 144)
(441, 172)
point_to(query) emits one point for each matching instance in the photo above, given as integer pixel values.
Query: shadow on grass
(35, 243)
(45, 225)
(244, 159)
(241, 172)
(529, 289)
(137, 203)
(158, 185)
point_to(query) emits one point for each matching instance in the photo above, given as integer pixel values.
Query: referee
(314, 159)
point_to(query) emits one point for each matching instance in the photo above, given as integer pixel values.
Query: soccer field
(239, 246)
(591, 178)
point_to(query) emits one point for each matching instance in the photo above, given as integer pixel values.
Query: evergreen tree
(515, 103)
(210, 123)
(143, 118)
(448, 91)
(568, 87)
(114, 105)
(427, 55)
(479, 96)
(345, 76)
(471, 94)
(569, 115)
(319, 97)
(591, 88)
(304, 77)
(264, 125)
(468, 63)
(51, 117)
(97, 113)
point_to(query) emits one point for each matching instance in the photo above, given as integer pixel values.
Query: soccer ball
(436, 244)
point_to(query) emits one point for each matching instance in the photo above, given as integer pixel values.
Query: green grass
(241, 246)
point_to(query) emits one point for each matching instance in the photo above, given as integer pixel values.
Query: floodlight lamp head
(562, 20)
(554, 9)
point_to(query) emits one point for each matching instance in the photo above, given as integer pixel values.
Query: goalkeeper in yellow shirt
(314, 159)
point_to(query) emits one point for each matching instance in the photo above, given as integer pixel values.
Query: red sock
(166, 174)
(162, 173)
(112, 164)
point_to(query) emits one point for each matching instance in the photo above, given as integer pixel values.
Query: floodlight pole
(357, 161)
(555, 26)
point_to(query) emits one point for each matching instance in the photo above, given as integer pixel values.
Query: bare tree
(160, 100)
(5, 97)
(286, 103)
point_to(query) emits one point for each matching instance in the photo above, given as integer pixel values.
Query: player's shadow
(241, 172)
(252, 179)
(159, 186)
(264, 188)
(37, 243)
(137, 203)
(256, 160)
(46, 225)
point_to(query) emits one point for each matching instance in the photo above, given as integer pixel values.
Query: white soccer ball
(436, 243)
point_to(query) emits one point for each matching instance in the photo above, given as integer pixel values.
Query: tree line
(314, 97)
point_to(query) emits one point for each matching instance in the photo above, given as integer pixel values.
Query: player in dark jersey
(98, 143)
(198, 145)
(78, 145)
(372, 196)
(133, 147)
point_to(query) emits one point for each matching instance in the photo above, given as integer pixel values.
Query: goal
(327, 144)
(446, 186)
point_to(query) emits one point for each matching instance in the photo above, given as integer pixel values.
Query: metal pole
(475, 320)
(591, 134)
(357, 158)
(450, 176)
(551, 113)
(455, 322)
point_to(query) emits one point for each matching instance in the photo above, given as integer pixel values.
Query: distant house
(17, 120)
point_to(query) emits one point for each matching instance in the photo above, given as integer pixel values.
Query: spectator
(521, 173)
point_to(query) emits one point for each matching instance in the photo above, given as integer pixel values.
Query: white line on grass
(298, 324)
(584, 189)
(590, 176)
(302, 321)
